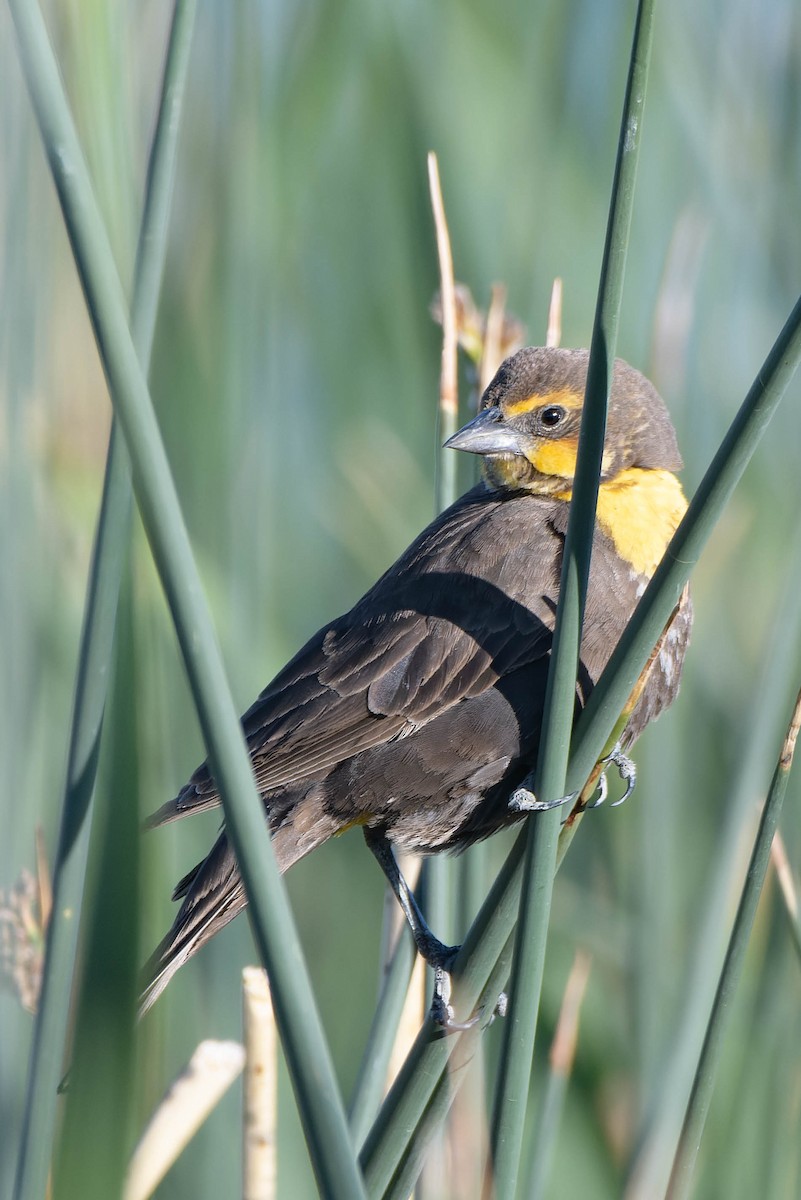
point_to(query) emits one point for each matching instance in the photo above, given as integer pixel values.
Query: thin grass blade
(439, 870)
(95, 1138)
(378, 1048)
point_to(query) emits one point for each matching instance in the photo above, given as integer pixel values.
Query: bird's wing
(362, 682)
(442, 625)
(346, 697)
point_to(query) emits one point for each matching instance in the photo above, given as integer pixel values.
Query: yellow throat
(639, 511)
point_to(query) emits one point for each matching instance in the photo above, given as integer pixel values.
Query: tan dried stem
(493, 336)
(43, 881)
(260, 1166)
(788, 746)
(198, 1089)
(553, 336)
(784, 874)
(448, 391)
(563, 1047)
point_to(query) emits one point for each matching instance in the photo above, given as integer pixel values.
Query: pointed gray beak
(487, 433)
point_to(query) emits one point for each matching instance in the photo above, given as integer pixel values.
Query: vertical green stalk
(378, 1048)
(656, 1138)
(298, 1020)
(97, 1135)
(701, 1094)
(480, 970)
(563, 1050)
(94, 658)
(550, 777)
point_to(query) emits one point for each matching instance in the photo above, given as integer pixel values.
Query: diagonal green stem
(663, 592)
(378, 1048)
(110, 550)
(701, 1094)
(656, 1138)
(480, 972)
(543, 828)
(304, 1042)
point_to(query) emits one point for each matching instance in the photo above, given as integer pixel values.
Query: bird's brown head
(528, 427)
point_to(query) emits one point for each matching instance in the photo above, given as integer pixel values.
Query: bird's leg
(626, 769)
(438, 956)
(435, 952)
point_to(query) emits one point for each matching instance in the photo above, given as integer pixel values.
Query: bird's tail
(212, 896)
(213, 893)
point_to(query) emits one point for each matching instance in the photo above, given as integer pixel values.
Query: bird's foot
(525, 801)
(522, 800)
(626, 769)
(442, 1012)
(440, 958)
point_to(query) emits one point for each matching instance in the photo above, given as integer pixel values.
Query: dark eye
(551, 416)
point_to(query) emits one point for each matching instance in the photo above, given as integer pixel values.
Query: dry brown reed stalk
(209, 1073)
(259, 1151)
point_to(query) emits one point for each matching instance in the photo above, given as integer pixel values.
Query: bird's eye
(551, 416)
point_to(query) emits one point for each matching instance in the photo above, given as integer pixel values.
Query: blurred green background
(295, 372)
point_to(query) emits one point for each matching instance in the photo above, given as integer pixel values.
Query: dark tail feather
(213, 895)
(183, 885)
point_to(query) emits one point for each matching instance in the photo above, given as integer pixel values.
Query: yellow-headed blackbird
(417, 713)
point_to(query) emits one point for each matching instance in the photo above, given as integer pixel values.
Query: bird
(416, 715)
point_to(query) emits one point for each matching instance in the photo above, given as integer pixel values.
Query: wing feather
(420, 641)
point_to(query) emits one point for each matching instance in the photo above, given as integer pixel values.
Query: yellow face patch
(565, 398)
(555, 458)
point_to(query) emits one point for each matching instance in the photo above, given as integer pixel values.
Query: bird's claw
(441, 1008)
(442, 1013)
(602, 791)
(626, 769)
(522, 800)
(501, 1007)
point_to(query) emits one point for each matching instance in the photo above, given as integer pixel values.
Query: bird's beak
(487, 433)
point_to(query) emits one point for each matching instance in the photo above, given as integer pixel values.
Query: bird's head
(527, 429)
